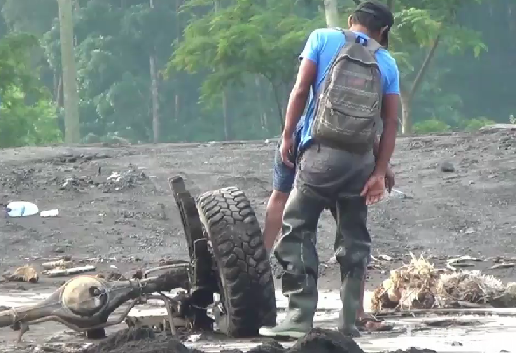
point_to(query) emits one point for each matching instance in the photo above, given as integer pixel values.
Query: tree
(245, 38)
(252, 55)
(114, 43)
(72, 133)
(331, 13)
(427, 24)
(28, 116)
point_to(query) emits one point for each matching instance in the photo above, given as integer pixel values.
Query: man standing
(282, 183)
(355, 82)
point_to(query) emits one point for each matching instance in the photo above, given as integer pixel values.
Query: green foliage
(418, 25)
(27, 114)
(25, 123)
(477, 123)
(248, 49)
(29, 16)
(431, 25)
(246, 37)
(114, 43)
(431, 126)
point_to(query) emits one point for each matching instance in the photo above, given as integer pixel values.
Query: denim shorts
(283, 176)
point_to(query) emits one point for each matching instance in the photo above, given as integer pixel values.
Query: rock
(91, 138)
(447, 167)
(415, 350)
(384, 257)
(498, 127)
(115, 140)
(507, 299)
(503, 265)
(23, 274)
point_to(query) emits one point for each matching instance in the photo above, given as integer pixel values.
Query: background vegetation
(200, 70)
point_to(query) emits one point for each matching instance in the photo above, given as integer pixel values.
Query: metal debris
(69, 271)
(502, 265)
(23, 274)
(59, 264)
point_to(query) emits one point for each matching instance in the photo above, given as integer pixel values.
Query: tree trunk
(176, 106)
(177, 82)
(71, 97)
(154, 97)
(279, 105)
(259, 97)
(59, 98)
(331, 13)
(407, 97)
(227, 121)
(154, 91)
(510, 17)
(406, 113)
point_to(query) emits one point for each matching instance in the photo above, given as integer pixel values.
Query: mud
(460, 330)
(318, 340)
(116, 210)
(121, 338)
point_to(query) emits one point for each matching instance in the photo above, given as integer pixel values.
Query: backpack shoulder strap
(373, 46)
(349, 35)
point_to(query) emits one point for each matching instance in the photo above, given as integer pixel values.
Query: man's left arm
(306, 76)
(387, 142)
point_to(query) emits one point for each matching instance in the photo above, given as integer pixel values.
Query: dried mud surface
(318, 340)
(131, 222)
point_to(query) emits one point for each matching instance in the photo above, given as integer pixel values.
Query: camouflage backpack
(348, 106)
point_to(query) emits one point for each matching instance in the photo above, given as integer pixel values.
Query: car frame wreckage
(227, 284)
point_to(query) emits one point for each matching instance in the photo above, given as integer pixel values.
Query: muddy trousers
(320, 184)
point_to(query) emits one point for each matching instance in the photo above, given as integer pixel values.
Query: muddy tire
(246, 283)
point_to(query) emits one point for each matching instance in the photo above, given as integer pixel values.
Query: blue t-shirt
(321, 47)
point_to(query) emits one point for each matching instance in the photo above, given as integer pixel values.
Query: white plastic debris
(21, 209)
(114, 176)
(50, 213)
(194, 338)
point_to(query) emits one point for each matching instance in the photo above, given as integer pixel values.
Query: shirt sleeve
(393, 81)
(311, 50)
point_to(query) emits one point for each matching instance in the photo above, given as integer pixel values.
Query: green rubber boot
(350, 296)
(299, 320)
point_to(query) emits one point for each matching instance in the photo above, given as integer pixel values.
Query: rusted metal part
(84, 303)
(203, 276)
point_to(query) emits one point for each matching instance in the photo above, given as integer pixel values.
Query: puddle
(468, 333)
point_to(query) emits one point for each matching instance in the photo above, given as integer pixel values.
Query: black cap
(382, 13)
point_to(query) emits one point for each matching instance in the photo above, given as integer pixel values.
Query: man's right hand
(374, 189)
(389, 180)
(287, 144)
